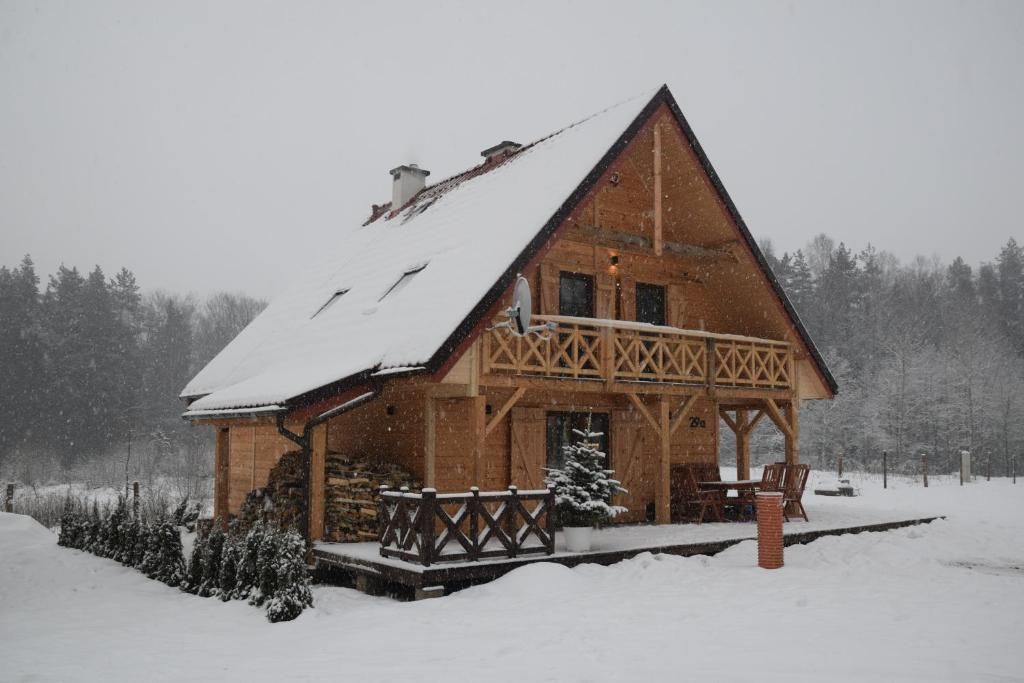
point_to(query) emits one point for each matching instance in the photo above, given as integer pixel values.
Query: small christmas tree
(291, 594)
(583, 487)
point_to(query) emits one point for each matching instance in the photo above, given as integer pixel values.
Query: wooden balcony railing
(622, 351)
(451, 527)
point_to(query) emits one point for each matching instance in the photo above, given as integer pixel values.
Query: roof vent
(406, 182)
(500, 150)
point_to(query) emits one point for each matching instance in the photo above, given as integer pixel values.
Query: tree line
(89, 365)
(929, 357)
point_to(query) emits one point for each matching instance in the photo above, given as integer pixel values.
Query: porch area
(362, 564)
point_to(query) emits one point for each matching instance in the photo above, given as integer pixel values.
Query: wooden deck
(360, 564)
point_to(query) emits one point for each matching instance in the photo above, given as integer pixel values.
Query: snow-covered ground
(942, 602)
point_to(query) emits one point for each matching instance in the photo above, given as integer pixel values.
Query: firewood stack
(281, 501)
(351, 496)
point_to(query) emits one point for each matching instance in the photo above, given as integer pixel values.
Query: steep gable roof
(467, 237)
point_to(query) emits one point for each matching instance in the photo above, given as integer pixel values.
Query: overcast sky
(214, 145)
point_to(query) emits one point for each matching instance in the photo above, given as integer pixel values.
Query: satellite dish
(521, 312)
(522, 307)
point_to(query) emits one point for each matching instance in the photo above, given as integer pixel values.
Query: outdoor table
(740, 485)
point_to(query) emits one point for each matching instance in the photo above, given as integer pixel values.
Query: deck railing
(622, 351)
(429, 527)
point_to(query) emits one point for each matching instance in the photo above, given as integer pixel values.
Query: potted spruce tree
(583, 490)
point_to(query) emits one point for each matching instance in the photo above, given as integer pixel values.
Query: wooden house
(666, 318)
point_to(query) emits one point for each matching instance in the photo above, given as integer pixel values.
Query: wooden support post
(221, 476)
(885, 470)
(658, 236)
(317, 481)
(742, 444)
(478, 427)
(474, 369)
(663, 497)
(429, 460)
(9, 498)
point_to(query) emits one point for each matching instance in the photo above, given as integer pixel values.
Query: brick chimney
(406, 181)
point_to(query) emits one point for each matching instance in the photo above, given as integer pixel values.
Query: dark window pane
(576, 295)
(560, 434)
(650, 304)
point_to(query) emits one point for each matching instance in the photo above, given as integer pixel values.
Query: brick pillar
(769, 530)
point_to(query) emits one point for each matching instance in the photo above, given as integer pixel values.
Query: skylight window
(402, 281)
(330, 302)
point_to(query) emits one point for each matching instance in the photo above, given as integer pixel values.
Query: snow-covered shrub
(186, 515)
(211, 559)
(91, 529)
(291, 593)
(114, 531)
(194, 575)
(583, 487)
(266, 570)
(227, 580)
(247, 559)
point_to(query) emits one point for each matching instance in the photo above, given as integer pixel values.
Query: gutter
(304, 441)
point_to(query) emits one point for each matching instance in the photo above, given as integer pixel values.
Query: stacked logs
(282, 500)
(351, 496)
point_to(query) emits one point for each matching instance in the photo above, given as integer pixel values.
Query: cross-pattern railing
(428, 527)
(622, 351)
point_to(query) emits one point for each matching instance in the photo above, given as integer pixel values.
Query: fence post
(513, 536)
(474, 522)
(428, 501)
(885, 469)
(382, 514)
(9, 498)
(135, 500)
(988, 464)
(924, 467)
(840, 466)
(549, 523)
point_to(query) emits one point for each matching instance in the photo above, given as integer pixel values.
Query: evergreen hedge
(265, 566)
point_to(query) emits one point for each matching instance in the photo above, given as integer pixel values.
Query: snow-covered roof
(452, 244)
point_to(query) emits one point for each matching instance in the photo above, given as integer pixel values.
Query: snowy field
(941, 602)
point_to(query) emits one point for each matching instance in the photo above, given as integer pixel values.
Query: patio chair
(700, 502)
(771, 478)
(793, 489)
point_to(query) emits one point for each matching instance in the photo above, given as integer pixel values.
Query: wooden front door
(632, 466)
(527, 448)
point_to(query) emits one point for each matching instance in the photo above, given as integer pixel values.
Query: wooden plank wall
(253, 450)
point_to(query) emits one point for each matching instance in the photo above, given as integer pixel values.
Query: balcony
(616, 351)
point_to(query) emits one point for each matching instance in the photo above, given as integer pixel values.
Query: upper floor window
(330, 302)
(576, 295)
(403, 281)
(650, 304)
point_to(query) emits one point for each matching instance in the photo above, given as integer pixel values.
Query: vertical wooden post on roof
(221, 471)
(317, 483)
(663, 497)
(658, 239)
(430, 442)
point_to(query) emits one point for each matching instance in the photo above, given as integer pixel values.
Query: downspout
(304, 443)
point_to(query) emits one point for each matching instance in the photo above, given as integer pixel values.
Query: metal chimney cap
(409, 168)
(503, 147)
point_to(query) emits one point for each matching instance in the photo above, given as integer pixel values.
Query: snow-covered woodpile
(281, 501)
(351, 496)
